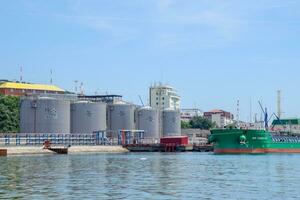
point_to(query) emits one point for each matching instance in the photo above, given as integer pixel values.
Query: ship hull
(255, 151)
(237, 141)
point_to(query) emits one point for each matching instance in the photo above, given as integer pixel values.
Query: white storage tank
(87, 117)
(148, 120)
(121, 116)
(171, 123)
(45, 115)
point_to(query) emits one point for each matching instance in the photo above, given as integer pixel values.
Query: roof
(216, 111)
(101, 96)
(293, 121)
(29, 86)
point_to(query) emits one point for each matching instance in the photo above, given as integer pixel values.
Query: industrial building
(164, 97)
(220, 117)
(21, 89)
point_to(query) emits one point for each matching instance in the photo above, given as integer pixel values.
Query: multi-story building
(21, 89)
(163, 96)
(220, 117)
(188, 114)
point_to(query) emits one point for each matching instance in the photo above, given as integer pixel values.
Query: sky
(213, 52)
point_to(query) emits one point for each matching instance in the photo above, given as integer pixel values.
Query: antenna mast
(21, 73)
(238, 113)
(51, 78)
(250, 110)
(76, 86)
(81, 89)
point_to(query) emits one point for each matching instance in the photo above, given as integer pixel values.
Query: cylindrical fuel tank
(121, 117)
(171, 123)
(45, 115)
(87, 117)
(148, 120)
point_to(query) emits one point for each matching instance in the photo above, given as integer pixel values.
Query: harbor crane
(266, 116)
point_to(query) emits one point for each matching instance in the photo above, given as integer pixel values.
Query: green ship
(237, 141)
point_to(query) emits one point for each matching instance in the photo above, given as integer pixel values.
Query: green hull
(232, 141)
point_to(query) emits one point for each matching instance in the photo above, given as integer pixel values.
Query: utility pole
(279, 112)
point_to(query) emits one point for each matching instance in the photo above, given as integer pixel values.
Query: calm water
(150, 176)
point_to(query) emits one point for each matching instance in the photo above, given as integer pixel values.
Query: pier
(168, 148)
(31, 144)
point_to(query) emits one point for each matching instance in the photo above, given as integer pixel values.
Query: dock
(168, 148)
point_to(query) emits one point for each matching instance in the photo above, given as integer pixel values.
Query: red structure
(175, 140)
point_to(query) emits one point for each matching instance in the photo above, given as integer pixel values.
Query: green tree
(9, 114)
(185, 125)
(201, 123)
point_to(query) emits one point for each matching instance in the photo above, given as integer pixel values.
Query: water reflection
(150, 176)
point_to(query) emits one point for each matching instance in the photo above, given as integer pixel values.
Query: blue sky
(212, 52)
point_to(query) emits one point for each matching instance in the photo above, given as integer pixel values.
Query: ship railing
(286, 139)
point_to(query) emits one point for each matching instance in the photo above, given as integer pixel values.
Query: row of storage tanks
(49, 115)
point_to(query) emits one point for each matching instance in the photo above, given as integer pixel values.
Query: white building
(220, 117)
(163, 96)
(189, 114)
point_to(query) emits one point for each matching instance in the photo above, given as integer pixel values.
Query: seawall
(38, 150)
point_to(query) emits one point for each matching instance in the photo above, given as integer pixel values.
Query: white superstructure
(188, 114)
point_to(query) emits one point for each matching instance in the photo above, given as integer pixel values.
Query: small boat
(58, 150)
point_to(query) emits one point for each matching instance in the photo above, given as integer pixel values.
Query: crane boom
(261, 107)
(141, 100)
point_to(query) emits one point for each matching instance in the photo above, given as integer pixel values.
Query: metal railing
(34, 139)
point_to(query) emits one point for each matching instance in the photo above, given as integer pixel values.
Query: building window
(157, 103)
(11, 90)
(163, 98)
(156, 98)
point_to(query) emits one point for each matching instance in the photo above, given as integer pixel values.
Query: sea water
(150, 176)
